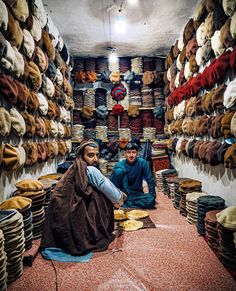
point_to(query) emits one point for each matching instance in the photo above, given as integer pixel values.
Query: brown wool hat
(199, 110)
(29, 184)
(30, 124)
(191, 47)
(193, 64)
(34, 76)
(40, 126)
(184, 126)
(8, 89)
(188, 31)
(133, 110)
(47, 126)
(33, 102)
(10, 157)
(216, 131)
(189, 129)
(225, 123)
(5, 122)
(178, 126)
(87, 112)
(14, 32)
(208, 101)
(183, 146)
(47, 42)
(225, 35)
(40, 59)
(211, 153)
(115, 77)
(42, 153)
(62, 148)
(233, 125)
(209, 25)
(230, 157)
(80, 77)
(55, 148)
(148, 77)
(218, 97)
(196, 148)
(31, 150)
(17, 122)
(203, 104)
(51, 110)
(67, 87)
(210, 5)
(209, 126)
(23, 95)
(191, 106)
(17, 202)
(196, 124)
(49, 151)
(202, 130)
(202, 151)
(190, 184)
(170, 59)
(53, 176)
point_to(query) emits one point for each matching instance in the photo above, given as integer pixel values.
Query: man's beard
(96, 165)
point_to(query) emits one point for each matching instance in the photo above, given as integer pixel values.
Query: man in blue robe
(128, 176)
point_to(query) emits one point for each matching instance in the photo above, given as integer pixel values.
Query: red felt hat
(233, 60)
(117, 109)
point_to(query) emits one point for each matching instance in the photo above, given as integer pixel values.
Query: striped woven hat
(118, 92)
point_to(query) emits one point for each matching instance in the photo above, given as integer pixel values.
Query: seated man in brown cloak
(80, 215)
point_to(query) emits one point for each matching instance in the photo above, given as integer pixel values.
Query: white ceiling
(152, 25)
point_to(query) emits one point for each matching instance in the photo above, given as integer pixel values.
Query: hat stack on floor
(158, 148)
(211, 229)
(48, 186)
(23, 205)
(207, 203)
(14, 245)
(3, 264)
(33, 189)
(166, 176)
(185, 187)
(159, 180)
(191, 206)
(226, 224)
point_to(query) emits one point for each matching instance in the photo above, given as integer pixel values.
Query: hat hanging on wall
(118, 92)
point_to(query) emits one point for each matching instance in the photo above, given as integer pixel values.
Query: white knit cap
(39, 12)
(43, 104)
(200, 34)
(229, 7)
(216, 44)
(3, 15)
(233, 26)
(28, 43)
(17, 122)
(8, 61)
(36, 30)
(19, 64)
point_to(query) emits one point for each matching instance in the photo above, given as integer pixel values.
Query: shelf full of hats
(126, 99)
(36, 95)
(201, 85)
(214, 220)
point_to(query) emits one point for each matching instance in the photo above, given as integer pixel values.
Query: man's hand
(122, 199)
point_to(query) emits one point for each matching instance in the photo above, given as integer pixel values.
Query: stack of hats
(160, 64)
(77, 117)
(185, 187)
(112, 121)
(3, 265)
(23, 205)
(174, 192)
(149, 64)
(167, 175)
(90, 64)
(33, 189)
(89, 133)
(102, 65)
(136, 124)
(207, 203)
(147, 98)
(158, 148)
(158, 97)
(48, 186)
(100, 97)
(137, 65)
(226, 224)
(78, 132)
(79, 64)
(101, 133)
(161, 179)
(211, 229)
(124, 64)
(124, 133)
(110, 101)
(103, 166)
(149, 133)
(78, 97)
(147, 118)
(135, 94)
(191, 206)
(124, 120)
(113, 65)
(89, 97)
(14, 245)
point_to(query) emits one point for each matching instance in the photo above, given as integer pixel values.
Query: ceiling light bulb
(113, 58)
(120, 24)
(133, 2)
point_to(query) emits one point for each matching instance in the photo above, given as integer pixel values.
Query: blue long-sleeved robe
(129, 177)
